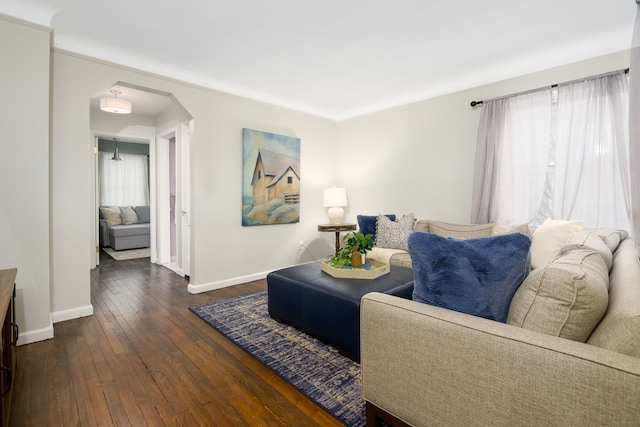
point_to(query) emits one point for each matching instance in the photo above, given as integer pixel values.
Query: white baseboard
(73, 313)
(212, 286)
(29, 337)
(205, 287)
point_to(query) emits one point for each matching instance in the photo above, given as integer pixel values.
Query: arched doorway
(158, 118)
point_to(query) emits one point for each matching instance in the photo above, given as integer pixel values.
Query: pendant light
(115, 104)
(116, 155)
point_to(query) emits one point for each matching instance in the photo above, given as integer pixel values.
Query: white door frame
(95, 202)
(182, 263)
(185, 197)
(162, 211)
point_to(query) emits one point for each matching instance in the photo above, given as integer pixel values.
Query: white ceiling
(336, 58)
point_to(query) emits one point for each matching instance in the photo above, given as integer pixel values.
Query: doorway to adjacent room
(161, 126)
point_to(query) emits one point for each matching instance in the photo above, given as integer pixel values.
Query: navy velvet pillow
(367, 224)
(474, 276)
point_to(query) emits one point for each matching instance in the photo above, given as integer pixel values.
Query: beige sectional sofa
(425, 366)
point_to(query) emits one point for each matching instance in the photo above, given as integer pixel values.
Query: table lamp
(334, 199)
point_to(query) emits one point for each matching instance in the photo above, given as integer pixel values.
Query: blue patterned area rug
(316, 369)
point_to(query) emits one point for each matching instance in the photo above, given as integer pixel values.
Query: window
(558, 153)
(289, 180)
(123, 182)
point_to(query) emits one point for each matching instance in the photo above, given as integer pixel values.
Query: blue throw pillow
(474, 276)
(367, 224)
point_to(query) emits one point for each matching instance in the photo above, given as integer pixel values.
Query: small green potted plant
(355, 245)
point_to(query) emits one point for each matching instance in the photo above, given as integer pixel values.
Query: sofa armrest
(104, 233)
(430, 366)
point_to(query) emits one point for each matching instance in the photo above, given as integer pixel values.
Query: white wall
(420, 158)
(223, 251)
(24, 171)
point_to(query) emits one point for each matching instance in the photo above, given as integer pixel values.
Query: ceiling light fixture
(116, 155)
(115, 104)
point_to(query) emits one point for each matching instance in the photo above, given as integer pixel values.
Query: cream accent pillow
(567, 298)
(393, 234)
(549, 238)
(128, 215)
(112, 215)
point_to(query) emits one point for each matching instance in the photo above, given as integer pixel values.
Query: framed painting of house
(270, 178)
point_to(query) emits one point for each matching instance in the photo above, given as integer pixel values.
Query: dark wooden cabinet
(8, 342)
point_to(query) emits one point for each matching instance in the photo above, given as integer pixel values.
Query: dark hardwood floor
(144, 359)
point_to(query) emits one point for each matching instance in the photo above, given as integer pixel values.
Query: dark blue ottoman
(327, 308)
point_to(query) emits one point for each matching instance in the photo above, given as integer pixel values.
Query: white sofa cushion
(549, 238)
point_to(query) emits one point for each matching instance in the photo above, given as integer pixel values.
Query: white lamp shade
(335, 196)
(115, 105)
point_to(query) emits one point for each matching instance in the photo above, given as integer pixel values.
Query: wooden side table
(337, 228)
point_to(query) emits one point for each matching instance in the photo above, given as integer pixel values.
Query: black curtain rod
(476, 103)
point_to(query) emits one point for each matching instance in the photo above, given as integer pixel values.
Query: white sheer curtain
(123, 182)
(512, 158)
(591, 152)
(634, 128)
(537, 158)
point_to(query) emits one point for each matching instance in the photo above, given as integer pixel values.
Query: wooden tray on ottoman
(377, 269)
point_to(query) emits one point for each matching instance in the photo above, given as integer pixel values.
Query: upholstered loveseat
(125, 227)
(548, 365)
